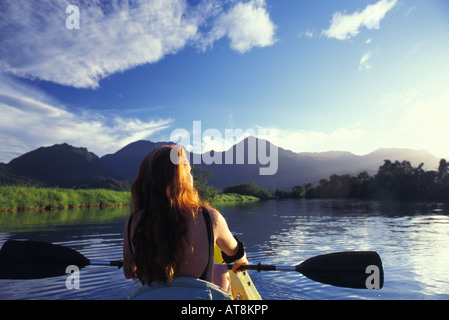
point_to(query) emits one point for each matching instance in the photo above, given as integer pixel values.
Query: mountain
(126, 161)
(67, 166)
(414, 156)
(61, 165)
(299, 168)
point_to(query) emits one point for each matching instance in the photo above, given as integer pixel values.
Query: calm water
(410, 238)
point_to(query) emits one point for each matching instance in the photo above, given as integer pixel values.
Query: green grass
(231, 197)
(16, 198)
(28, 198)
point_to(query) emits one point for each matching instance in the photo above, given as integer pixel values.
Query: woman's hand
(237, 264)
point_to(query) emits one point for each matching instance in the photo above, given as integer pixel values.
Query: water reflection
(411, 239)
(96, 233)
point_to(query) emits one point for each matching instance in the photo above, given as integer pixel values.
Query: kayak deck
(180, 288)
(242, 286)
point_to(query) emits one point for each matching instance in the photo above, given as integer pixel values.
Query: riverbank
(16, 198)
(231, 197)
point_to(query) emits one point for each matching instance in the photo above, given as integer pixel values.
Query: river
(410, 238)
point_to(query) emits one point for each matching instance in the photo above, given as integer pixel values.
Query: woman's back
(196, 252)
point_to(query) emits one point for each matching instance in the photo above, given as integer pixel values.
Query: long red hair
(163, 192)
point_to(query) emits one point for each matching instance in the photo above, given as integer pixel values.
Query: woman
(171, 232)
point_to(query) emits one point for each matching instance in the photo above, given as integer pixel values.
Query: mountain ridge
(64, 165)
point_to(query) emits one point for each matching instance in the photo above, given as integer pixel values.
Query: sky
(310, 76)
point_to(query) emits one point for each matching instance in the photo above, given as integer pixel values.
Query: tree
(310, 191)
(297, 192)
(399, 180)
(363, 185)
(200, 177)
(249, 189)
(443, 180)
(443, 170)
(338, 186)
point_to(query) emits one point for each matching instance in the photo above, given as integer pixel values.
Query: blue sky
(315, 75)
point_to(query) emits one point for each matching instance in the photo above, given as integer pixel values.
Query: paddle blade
(35, 260)
(359, 269)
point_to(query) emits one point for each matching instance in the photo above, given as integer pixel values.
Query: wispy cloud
(30, 120)
(345, 26)
(307, 34)
(363, 64)
(247, 25)
(119, 35)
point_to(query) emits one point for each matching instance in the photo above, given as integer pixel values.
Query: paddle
(35, 260)
(352, 269)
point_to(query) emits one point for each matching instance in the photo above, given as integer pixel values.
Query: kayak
(242, 286)
(182, 288)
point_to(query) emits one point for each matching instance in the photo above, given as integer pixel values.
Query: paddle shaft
(264, 267)
(114, 263)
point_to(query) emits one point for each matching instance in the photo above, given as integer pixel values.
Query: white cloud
(246, 25)
(28, 122)
(35, 42)
(344, 26)
(363, 65)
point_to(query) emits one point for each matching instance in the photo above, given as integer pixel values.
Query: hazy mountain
(67, 166)
(126, 161)
(299, 168)
(61, 165)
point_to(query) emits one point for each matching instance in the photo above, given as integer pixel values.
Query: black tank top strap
(207, 274)
(130, 245)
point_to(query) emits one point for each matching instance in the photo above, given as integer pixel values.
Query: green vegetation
(250, 189)
(200, 178)
(231, 197)
(212, 194)
(21, 198)
(25, 198)
(394, 180)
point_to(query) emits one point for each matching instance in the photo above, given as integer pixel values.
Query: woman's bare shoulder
(216, 217)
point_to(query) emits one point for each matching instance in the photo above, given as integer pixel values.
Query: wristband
(240, 253)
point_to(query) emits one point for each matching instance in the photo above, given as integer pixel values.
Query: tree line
(393, 180)
(202, 175)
